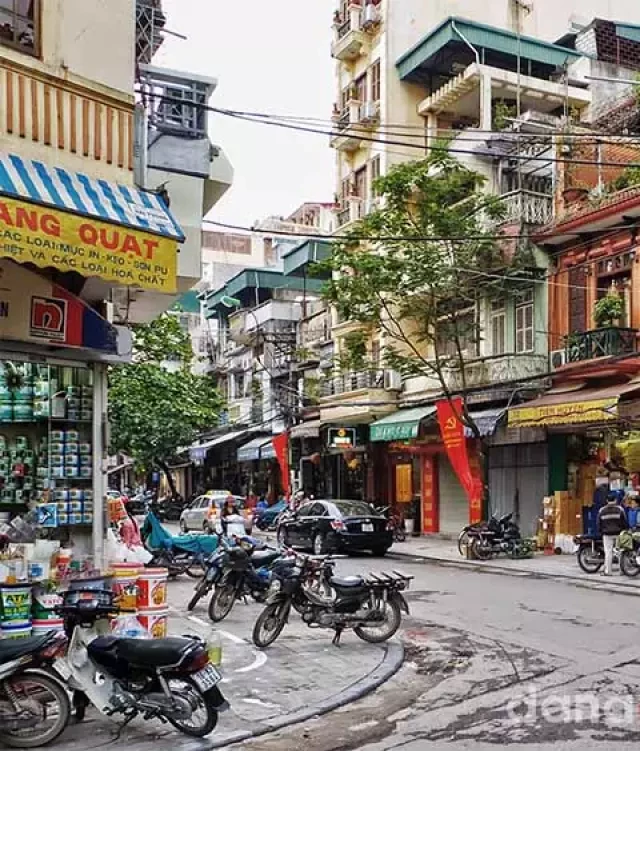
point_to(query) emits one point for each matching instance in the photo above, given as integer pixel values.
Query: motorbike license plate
(367, 528)
(207, 677)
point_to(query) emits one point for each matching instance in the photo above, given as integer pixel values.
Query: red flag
(453, 437)
(281, 447)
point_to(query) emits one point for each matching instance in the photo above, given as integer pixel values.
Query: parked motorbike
(590, 553)
(169, 509)
(245, 573)
(178, 554)
(260, 554)
(168, 679)
(395, 521)
(34, 706)
(372, 607)
(629, 548)
(626, 553)
(500, 536)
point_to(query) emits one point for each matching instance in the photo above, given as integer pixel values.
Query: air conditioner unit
(557, 358)
(392, 380)
(371, 16)
(369, 111)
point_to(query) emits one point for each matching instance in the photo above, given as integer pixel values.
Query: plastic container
(57, 435)
(152, 590)
(125, 589)
(16, 632)
(154, 622)
(44, 605)
(15, 604)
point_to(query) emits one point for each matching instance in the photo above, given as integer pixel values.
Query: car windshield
(351, 508)
(238, 502)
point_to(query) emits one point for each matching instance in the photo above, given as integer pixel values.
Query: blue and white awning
(77, 193)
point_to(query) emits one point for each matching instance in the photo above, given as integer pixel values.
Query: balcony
(510, 367)
(244, 324)
(244, 410)
(348, 131)
(357, 397)
(527, 207)
(601, 343)
(315, 331)
(350, 39)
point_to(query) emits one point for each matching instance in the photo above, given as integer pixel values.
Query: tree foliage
(414, 270)
(153, 410)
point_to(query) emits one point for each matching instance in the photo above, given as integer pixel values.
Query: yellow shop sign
(129, 257)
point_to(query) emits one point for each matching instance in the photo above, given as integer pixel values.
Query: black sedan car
(339, 525)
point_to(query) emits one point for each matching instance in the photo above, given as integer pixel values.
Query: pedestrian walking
(612, 520)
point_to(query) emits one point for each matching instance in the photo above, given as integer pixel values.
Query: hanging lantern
(349, 456)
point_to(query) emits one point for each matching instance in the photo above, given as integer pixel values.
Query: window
(360, 89)
(458, 328)
(374, 77)
(19, 24)
(375, 353)
(374, 174)
(318, 510)
(524, 322)
(498, 327)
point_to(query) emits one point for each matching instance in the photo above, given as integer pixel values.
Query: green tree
(155, 410)
(415, 269)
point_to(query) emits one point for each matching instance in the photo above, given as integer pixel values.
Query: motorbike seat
(162, 652)
(13, 649)
(263, 558)
(347, 583)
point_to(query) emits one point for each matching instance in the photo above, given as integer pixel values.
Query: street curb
(585, 580)
(388, 666)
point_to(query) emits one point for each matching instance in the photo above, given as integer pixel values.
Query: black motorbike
(500, 536)
(372, 606)
(34, 706)
(590, 553)
(245, 574)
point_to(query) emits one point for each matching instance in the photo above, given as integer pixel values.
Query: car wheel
(183, 526)
(319, 544)
(379, 552)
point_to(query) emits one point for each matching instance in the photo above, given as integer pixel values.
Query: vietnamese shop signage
(452, 430)
(575, 412)
(342, 438)
(30, 233)
(34, 310)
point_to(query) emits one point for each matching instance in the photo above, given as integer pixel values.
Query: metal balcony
(528, 207)
(350, 39)
(600, 343)
(344, 383)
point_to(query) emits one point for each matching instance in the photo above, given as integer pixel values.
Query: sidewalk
(562, 566)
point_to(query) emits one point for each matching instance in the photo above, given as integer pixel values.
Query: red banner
(281, 447)
(452, 431)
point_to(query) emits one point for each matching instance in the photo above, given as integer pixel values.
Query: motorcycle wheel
(36, 691)
(222, 602)
(479, 549)
(588, 560)
(399, 534)
(207, 718)
(380, 632)
(201, 590)
(268, 626)
(629, 564)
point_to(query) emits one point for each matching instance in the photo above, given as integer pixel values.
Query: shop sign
(574, 412)
(34, 310)
(46, 237)
(341, 438)
(404, 484)
(429, 496)
(453, 437)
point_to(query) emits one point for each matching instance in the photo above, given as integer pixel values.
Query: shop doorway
(453, 502)
(518, 481)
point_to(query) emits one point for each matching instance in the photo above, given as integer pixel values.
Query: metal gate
(518, 481)
(453, 502)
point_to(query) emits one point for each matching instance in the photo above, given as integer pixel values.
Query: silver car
(204, 513)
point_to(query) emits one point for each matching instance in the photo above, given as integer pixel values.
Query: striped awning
(76, 193)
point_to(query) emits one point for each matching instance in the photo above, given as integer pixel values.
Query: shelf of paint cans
(35, 393)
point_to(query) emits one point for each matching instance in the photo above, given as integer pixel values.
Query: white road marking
(260, 660)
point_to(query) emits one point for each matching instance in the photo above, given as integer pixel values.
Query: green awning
(401, 425)
(435, 52)
(299, 260)
(189, 302)
(251, 280)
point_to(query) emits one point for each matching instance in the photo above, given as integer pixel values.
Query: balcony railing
(599, 343)
(528, 207)
(349, 36)
(351, 210)
(356, 381)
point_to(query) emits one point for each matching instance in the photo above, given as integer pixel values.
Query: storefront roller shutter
(454, 506)
(518, 481)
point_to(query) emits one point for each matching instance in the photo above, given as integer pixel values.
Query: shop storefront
(348, 473)
(258, 466)
(306, 458)
(66, 242)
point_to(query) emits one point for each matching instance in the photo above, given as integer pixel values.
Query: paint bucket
(19, 631)
(15, 604)
(154, 622)
(124, 588)
(152, 590)
(22, 412)
(45, 626)
(44, 605)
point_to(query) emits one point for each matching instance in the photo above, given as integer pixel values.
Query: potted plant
(609, 310)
